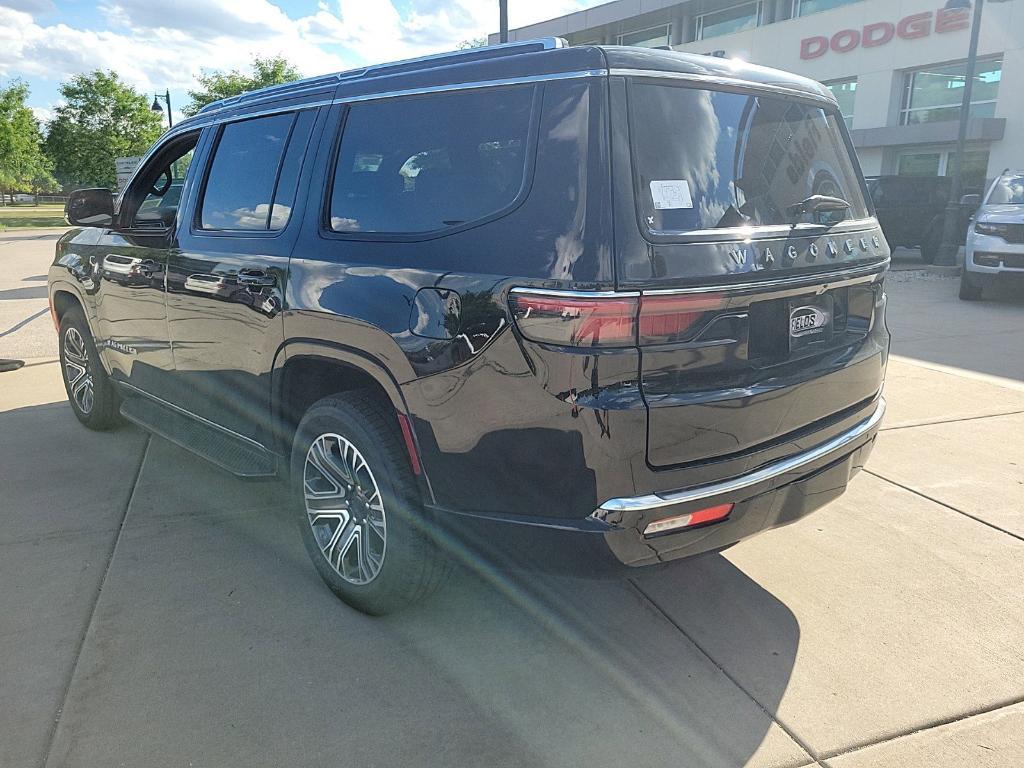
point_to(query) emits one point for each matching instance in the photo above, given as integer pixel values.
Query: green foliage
(101, 119)
(23, 167)
(219, 85)
(474, 42)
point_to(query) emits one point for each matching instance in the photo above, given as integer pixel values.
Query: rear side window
(713, 159)
(255, 169)
(429, 163)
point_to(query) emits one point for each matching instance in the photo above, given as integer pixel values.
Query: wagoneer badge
(804, 320)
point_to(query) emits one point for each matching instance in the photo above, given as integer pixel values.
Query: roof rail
(482, 53)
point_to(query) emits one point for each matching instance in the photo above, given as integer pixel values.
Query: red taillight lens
(668, 318)
(576, 321)
(689, 520)
(609, 320)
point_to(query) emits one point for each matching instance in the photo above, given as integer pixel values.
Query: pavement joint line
(25, 322)
(931, 725)
(815, 761)
(52, 736)
(941, 503)
(964, 373)
(948, 421)
(55, 536)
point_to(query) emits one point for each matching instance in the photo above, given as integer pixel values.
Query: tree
(219, 85)
(23, 166)
(101, 119)
(473, 42)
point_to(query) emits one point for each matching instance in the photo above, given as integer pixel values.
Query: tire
(91, 393)
(968, 290)
(377, 557)
(930, 248)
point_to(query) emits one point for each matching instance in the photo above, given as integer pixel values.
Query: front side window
(726, 21)
(1008, 190)
(845, 92)
(714, 159)
(252, 179)
(425, 164)
(933, 94)
(153, 199)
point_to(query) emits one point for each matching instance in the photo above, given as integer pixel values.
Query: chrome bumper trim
(658, 500)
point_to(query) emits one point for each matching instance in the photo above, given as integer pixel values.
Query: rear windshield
(1008, 190)
(714, 159)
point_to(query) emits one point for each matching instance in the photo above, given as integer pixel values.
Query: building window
(647, 38)
(845, 92)
(726, 21)
(942, 162)
(933, 94)
(807, 7)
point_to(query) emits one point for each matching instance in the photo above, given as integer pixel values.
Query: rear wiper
(816, 203)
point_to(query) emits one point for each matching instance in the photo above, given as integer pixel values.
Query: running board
(236, 454)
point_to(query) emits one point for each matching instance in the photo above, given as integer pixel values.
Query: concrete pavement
(158, 612)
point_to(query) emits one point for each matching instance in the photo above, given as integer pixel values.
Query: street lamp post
(503, 21)
(166, 96)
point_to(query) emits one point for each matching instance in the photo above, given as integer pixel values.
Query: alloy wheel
(76, 370)
(345, 508)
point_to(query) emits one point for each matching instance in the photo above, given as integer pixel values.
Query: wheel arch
(306, 370)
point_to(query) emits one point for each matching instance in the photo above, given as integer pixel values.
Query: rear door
(226, 281)
(743, 226)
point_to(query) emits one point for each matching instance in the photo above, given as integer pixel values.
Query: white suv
(995, 239)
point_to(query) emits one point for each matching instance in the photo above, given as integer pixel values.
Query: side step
(236, 454)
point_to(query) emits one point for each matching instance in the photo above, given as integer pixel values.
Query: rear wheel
(90, 392)
(969, 291)
(359, 517)
(930, 247)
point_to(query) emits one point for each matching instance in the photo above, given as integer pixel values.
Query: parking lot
(158, 612)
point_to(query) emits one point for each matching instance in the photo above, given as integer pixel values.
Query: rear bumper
(611, 541)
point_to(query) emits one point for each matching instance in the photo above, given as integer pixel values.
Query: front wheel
(359, 517)
(968, 290)
(90, 391)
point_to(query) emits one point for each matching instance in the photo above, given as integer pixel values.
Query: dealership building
(896, 67)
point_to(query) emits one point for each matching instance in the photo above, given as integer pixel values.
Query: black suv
(912, 209)
(581, 309)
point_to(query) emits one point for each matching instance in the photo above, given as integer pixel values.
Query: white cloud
(159, 45)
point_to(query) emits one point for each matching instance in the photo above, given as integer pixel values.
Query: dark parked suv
(581, 309)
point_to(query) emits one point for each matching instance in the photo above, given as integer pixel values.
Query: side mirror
(90, 208)
(970, 201)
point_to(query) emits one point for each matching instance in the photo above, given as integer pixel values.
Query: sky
(156, 45)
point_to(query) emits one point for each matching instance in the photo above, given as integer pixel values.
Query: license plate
(810, 320)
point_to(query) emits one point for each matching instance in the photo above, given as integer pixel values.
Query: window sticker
(667, 194)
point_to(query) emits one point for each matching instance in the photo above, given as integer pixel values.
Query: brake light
(668, 318)
(599, 321)
(609, 320)
(689, 520)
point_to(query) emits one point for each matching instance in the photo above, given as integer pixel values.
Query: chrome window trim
(465, 86)
(731, 82)
(768, 472)
(560, 294)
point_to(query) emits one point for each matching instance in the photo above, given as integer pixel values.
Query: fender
(354, 358)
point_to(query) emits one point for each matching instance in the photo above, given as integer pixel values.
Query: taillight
(576, 321)
(689, 520)
(608, 320)
(669, 318)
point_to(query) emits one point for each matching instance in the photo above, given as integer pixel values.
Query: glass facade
(647, 38)
(807, 7)
(845, 92)
(933, 94)
(942, 162)
(726, 21)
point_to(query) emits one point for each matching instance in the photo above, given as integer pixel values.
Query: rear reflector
(410, 443)
(608, 320)
(689, 520)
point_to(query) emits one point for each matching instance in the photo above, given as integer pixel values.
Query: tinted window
(248, 162)
(711, 159)
(425, 164)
